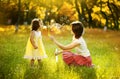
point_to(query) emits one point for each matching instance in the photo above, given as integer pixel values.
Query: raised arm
(32, 39)
(65, 47)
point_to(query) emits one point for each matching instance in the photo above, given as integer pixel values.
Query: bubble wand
(56, 56)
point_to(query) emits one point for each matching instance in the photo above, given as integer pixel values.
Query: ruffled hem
(38, 57)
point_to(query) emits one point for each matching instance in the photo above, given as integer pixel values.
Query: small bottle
(56, 57)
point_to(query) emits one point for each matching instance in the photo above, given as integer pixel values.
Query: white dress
(38, 53)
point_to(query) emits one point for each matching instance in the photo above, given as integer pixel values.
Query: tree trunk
(83, 7)
(116, 11)
(90, 17)
(100, 11)
(78, 10)
(18, 20)
(104, 15)
(112, 14)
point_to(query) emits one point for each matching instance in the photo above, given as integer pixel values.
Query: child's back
(35, 48)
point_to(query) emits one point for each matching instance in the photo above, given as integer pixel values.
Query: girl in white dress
(35, 48)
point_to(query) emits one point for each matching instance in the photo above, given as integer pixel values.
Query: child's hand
(56, 53)
(35, 47)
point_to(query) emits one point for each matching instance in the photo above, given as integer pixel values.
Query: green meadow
(104, 48)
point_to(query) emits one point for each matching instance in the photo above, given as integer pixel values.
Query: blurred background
(93, 13)
(101, 19)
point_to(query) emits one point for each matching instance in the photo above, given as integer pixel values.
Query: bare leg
(39, 61)
(32, 62)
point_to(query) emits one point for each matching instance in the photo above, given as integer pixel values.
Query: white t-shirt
(82, 48)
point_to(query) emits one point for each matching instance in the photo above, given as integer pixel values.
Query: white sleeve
(76, 41)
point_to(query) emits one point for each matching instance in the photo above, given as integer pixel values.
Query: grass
(104, 48)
